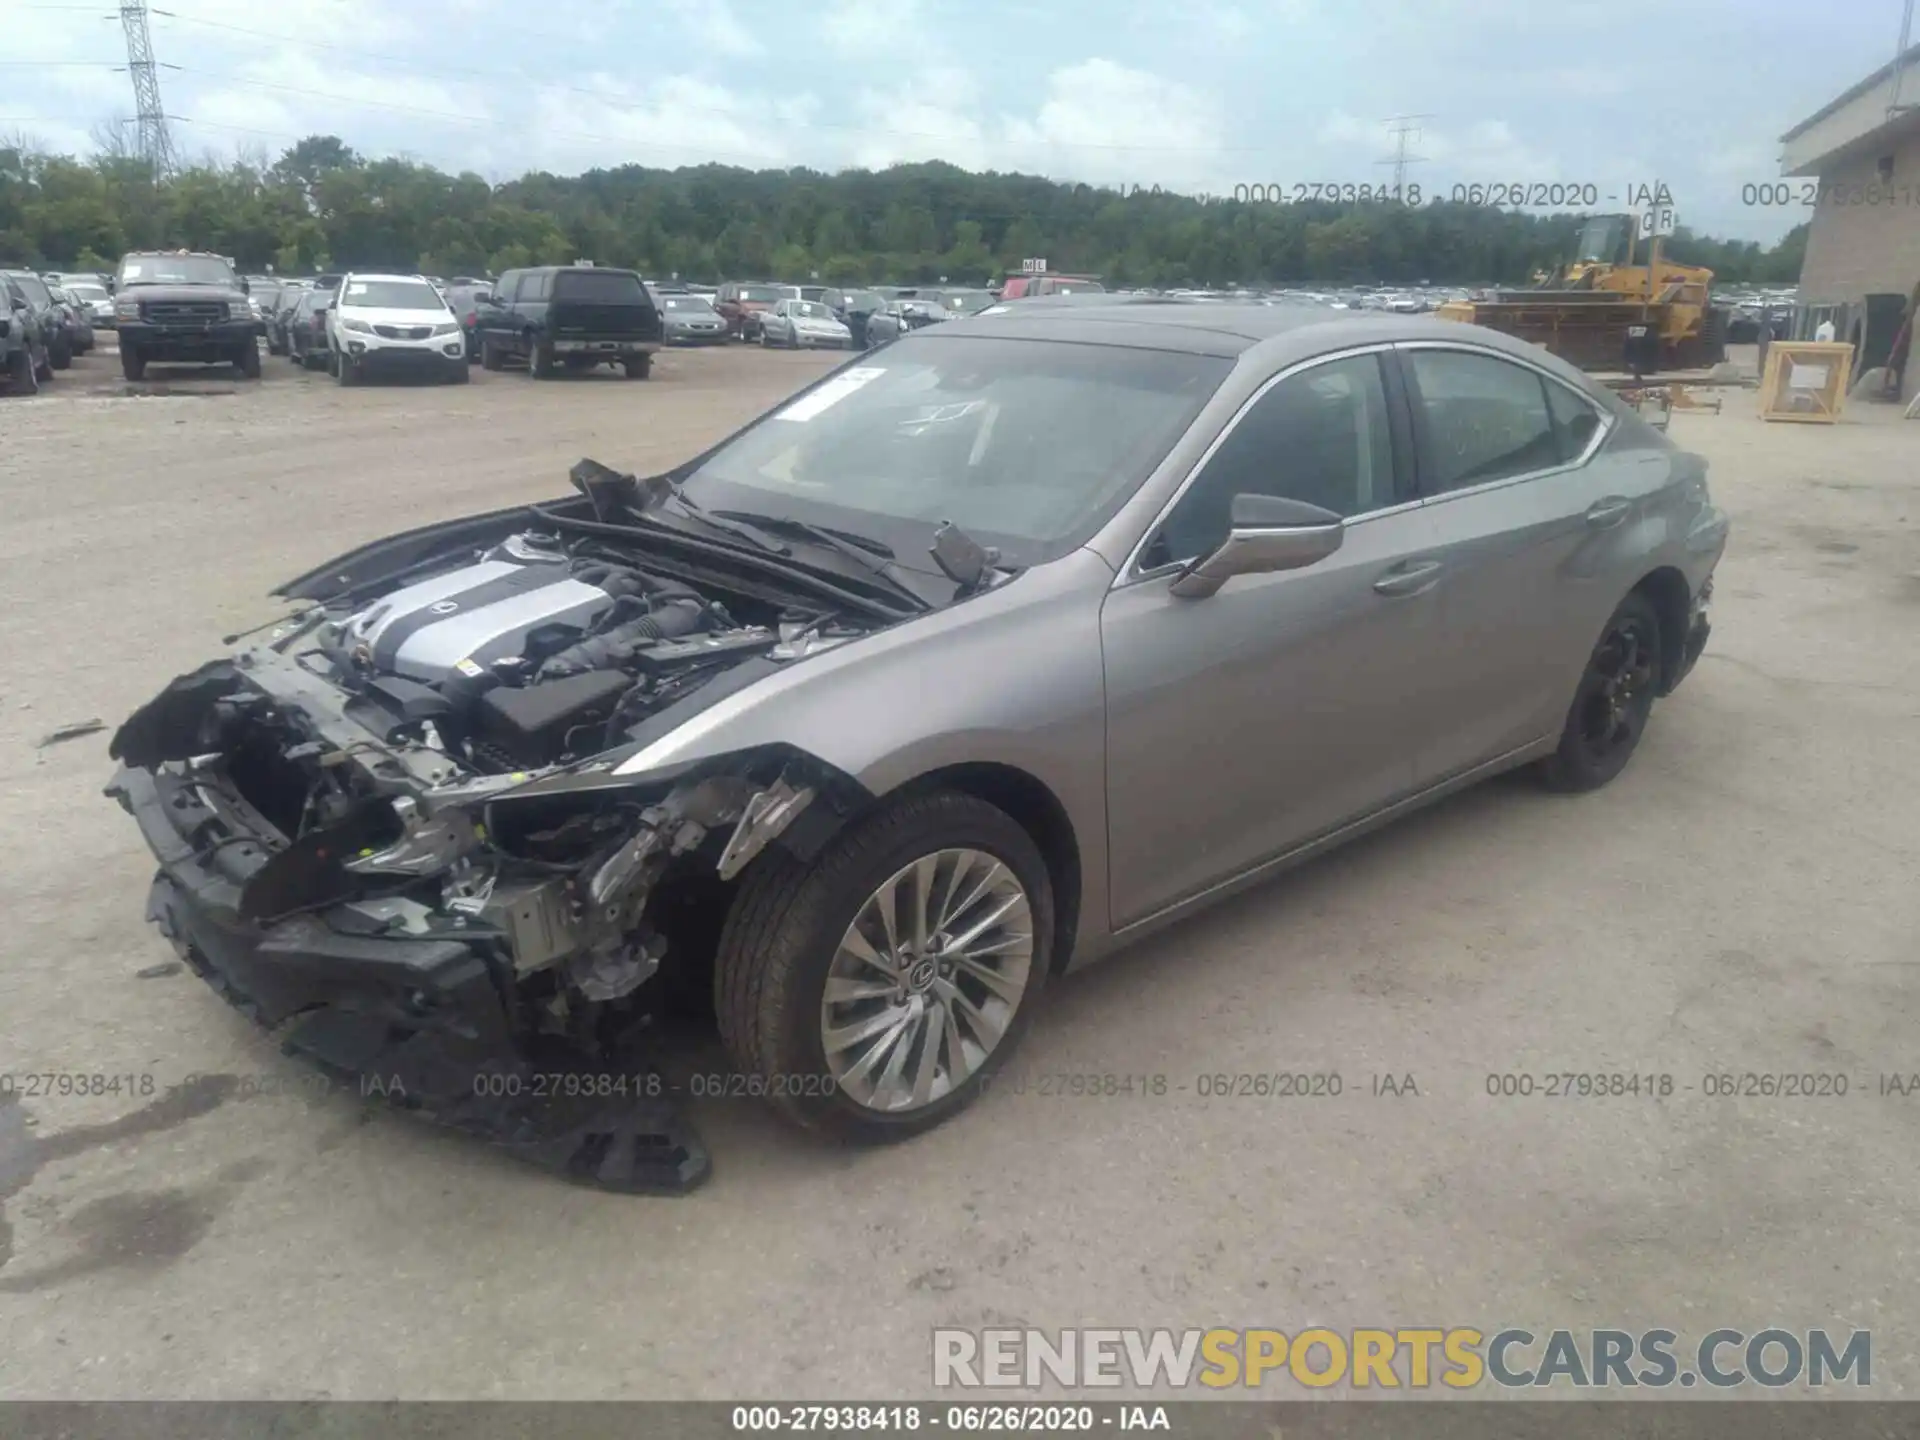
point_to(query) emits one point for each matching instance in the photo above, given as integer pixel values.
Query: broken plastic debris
(71, 732)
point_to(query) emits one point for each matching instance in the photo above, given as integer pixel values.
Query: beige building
(1863, 249)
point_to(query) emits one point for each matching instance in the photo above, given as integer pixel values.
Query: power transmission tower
(156, 144)
(1405, 129)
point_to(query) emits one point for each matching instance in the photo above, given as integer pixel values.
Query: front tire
(343, 371)
(539, 358)
(60, 356)
(873, 993)
(490, 356)
(1613, 703)
(133, 364)
(247, 362)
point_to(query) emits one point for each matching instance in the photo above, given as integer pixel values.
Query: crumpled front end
(478, 946)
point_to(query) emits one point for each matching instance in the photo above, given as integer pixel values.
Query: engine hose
(609, 649)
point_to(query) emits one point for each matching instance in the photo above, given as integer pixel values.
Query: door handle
(1607, 513)
(1409, 579)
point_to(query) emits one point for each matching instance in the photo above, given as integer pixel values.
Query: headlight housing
(359, 327)
(451, 328)
(127, 309)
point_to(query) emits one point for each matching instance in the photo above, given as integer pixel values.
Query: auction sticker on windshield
(831, 393)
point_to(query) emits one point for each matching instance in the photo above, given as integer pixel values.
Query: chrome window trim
(1130, 571)
(1600, 434)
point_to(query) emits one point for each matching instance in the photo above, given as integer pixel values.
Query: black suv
(181, 306)
(575, 316)
(26, 331)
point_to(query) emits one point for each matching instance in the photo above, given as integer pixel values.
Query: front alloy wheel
(873, 992)
(926, 980)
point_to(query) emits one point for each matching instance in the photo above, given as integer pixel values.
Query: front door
(1241, 725)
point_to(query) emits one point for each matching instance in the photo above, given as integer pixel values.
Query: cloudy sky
(1188, 94)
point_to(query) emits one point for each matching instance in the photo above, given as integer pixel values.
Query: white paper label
(1808, 377)
(356, 289)
(831, 393)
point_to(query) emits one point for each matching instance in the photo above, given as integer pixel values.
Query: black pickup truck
(180, 307)
(568, 316)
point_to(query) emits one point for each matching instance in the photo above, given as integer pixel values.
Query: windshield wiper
(872, 555)
(607, 490)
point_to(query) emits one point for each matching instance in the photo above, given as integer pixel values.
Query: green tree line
(321, 205)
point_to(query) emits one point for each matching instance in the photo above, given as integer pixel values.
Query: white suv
(393, 324)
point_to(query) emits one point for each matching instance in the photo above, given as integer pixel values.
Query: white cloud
(1108, 124)
(677, 120)
(873, 27)
(925, 117)
(712, 25)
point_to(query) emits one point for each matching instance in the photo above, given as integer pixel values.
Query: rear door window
(1482, 419)
(1574, 421)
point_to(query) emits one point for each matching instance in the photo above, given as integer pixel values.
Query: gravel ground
(1742, 900)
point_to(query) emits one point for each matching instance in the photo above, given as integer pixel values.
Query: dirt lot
(1742, 901)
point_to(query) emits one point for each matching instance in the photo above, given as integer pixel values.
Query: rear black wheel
(21, 372)
(60, 354)
(638, 367)
(1614, 702)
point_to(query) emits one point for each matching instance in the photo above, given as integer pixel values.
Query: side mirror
(245, 288)
(1267, 534)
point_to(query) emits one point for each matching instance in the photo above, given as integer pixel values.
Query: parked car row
(41, 330)
(545, 319)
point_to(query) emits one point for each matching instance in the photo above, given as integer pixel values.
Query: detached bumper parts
(419, 1022)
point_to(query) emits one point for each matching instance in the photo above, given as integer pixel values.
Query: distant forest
(322, 206)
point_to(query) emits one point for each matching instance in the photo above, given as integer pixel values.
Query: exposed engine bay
(425, 758)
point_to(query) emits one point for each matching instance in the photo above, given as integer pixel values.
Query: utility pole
(1405, 129)
(1894, 107)
(156, 144)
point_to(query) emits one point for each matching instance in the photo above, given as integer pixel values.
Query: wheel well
(1040, 813)
(1672, 600)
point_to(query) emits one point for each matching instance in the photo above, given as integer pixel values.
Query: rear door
(1527, 526)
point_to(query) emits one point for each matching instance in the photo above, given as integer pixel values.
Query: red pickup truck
(1018, 287)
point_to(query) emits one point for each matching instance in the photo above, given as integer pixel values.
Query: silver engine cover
(470, 617)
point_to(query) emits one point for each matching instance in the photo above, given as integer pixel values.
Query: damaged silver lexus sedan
(989, 652)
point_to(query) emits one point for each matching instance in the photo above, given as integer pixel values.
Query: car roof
(1218, 329)
(382, 275)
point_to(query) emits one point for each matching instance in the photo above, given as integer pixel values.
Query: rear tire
(490, 356)
(22, 372)
(133, 364)
(785, 930)
(1613, 703)
(60, 356)
(639, 367)
(275, 347)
